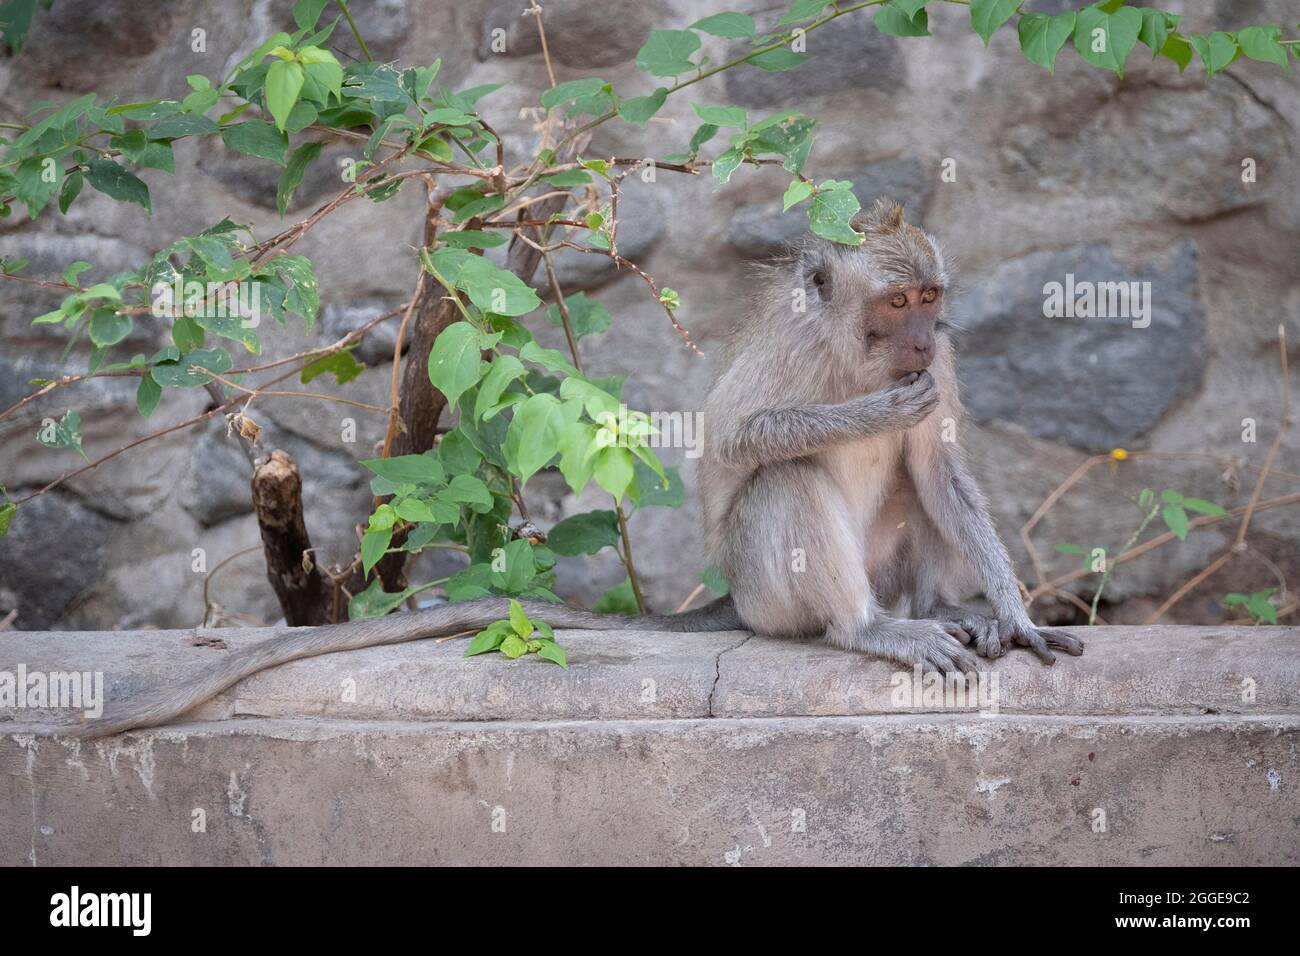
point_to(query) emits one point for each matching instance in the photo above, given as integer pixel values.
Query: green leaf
(668, 53)
(257, 138)
(7, 512)
(802, 10)
(987, 15)
(534, 435)
(778, 60)
(113, 180)
(1041, 37)
(180, 125)
(639, 109)
(586, 316)
(1216, 50)
(469, 490)
(504, 370)
(147, 395)
(177, 375)
(612, 469)
(496, 290)
(584, 533)
(833, 205)
(1116, 35)
(733, 26)
(71, 189)
(108, 328)
(722, 115)
(472, 239)
(727, 163)
(897, 22)
(574, 89)
(373, 546)
(374, 601)
(551, 359)
(569, 178)
(513, 647)
(575, 464)
(519, 620)
(1177, 48)
(655, 492)
(796, 193)
(1261, 43)
(550, 651)
(65, 433)
(36, 182)
(283, 84)
(1176, 518)
(489, 639)
(307, 12)
(408, 469)
(291, 178)
(340, 364)
(1169, 496)
(1201, 506)
(454, 361)
(620, 599)
(1155, 29)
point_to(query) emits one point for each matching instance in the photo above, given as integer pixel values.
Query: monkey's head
(885, 297)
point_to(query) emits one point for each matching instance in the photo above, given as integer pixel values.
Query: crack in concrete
(717, 670)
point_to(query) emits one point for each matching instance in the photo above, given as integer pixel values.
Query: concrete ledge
(667, 748)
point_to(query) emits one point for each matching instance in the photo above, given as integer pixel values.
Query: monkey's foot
(927, 643)
(992, 639)
(1039, 640)
(978, 629)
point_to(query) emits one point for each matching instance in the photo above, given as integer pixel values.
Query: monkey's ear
(885, 215)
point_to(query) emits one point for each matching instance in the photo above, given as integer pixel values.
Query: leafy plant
(1257, 605)
(521, 407)
(516, 636)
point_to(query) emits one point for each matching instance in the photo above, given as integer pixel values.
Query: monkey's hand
(993, 638)
(910, 399)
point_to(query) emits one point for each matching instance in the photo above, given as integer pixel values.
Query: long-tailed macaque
(836, 498)
(834, 505)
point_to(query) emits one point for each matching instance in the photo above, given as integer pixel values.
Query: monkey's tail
(298, 642)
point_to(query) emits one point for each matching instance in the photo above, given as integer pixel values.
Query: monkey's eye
(929, 295)
(819, 280)
(899, 301)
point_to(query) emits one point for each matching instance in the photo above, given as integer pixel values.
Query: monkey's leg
(796, 558)
(959, 512)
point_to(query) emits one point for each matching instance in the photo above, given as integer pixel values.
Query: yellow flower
(1118, 454)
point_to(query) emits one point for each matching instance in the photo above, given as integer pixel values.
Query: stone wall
(1080, 172)
(1161, 746)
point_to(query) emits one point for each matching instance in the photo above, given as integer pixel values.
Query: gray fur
(832, 504)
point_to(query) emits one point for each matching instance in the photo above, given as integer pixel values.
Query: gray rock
(340, 318)
(56, 50)
(578, 33)
(761, 229)
(640, 225)
(384, 24)
(1091, 382)
(1181, 153)
(54, 551)
(217, 484)
(846, 54)
(48, 254)
(254, 179)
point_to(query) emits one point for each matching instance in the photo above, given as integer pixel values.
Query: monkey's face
(884, 298)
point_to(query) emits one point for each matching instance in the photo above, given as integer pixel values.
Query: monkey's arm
(959, 510)
(795, 431)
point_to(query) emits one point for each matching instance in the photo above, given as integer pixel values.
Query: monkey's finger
(1062, 641)
(989, 645)
(954, 629)
(1038, 644)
